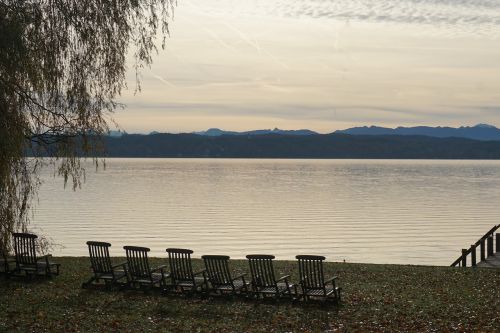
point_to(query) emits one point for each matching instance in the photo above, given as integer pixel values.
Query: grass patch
(375, 298)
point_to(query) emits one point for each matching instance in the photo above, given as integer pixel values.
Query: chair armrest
(241, 276)
(200, 272)
(122, 264)
(159, 268)
(331, 280)
(45, 257)
(286, 277)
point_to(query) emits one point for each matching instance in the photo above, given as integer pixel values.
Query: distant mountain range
(481, 132)
(219, 132)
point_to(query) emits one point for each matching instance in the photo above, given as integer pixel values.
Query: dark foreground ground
(375, 298)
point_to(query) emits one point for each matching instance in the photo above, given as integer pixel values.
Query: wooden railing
(486, 249)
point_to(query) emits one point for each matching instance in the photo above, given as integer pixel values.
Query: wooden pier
(488, 247)
(491, 262)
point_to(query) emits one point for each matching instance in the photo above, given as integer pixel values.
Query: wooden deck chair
(264, 281)
(220, 278)
(26, 257)
(141, 274)
(312, 280)
(181, 271)
(102, 266)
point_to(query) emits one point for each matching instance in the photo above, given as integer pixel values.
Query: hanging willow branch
(62, 64)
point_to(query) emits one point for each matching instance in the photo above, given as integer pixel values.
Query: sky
(322, 65)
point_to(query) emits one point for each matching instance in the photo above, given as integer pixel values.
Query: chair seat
(281, 287)
(43, 263)
(159, 276)
(38, 265)
(41, 267)
(155, 278)
(3, 261)
(238, 284)
(6, 261)
(190, 283)
(109, 276)
(327, 292)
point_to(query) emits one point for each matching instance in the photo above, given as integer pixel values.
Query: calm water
(374, 211)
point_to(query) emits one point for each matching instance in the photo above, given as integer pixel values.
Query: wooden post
(473, 255)
(498, 243)
(464, 257)
(483, 257)
(490, 246)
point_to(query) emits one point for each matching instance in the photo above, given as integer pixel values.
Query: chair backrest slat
(25, 248)
(311, 271)
(262, 270)
(218, 269)
(138, 262)
(180, 264)
(99, 257)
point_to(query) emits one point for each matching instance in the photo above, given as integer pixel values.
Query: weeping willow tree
(62, 65)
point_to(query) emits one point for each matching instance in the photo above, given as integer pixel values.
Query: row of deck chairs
(215, 278)
(26, 259)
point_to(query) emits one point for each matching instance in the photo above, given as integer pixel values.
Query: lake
(370, 211)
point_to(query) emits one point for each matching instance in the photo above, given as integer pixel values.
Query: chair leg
(107, 285)
(15, 271)
(88, 283)
(122, 285)
(147, 289)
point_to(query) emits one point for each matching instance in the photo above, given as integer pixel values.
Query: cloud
(451, 16)
(297, 111)
(489, 109)
(163, 80)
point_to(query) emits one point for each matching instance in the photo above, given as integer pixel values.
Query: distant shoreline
(321, 146)
(298, 158)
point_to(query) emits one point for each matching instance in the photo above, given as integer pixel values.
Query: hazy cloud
(465, 16)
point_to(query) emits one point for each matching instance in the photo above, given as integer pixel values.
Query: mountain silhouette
(481, 132)
(219, 132)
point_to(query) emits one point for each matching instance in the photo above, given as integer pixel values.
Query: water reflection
(374, 211)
